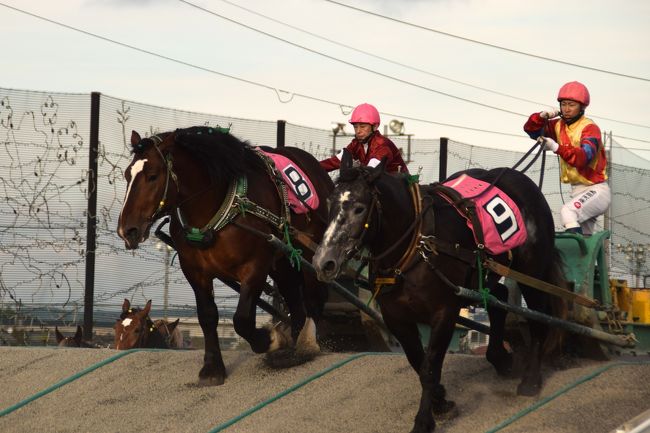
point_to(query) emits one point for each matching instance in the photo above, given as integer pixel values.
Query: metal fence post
(91, 217)
(282, 124)
(442, 173)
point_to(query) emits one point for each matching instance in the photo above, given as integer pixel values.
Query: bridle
(170, 175)
(413, 230)
(146, 327)
(375, 205)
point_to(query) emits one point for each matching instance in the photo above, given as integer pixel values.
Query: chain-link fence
(44, 163)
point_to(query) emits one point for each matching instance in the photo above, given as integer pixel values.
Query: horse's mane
(224, 155)
(351, 174)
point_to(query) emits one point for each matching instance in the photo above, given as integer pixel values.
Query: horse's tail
(559, 307)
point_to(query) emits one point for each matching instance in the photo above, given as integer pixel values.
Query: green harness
(237, 203)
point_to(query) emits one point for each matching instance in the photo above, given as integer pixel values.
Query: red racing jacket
(583, 159)
(378, 148)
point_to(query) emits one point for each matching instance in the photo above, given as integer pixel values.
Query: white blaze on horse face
(333, 228)
(126, 322)
(136, 168)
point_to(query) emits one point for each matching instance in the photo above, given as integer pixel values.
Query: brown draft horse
(74, 341)
(372, 209)
(135, 329)
(196, 176)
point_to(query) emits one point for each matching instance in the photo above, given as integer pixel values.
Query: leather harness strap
(466, 206)
(539, 284)
(412, 248)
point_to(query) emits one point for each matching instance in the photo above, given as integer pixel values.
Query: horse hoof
(280, 337)
(424, 427)
(286, 358)
(306, 344)
(211, 381)
(211, 376)
(528, 390)
(445, 411)
(502, 362)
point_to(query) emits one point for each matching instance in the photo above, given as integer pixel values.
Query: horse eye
(359, 210)
(152, 177)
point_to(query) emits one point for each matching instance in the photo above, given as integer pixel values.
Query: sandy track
(157, 392)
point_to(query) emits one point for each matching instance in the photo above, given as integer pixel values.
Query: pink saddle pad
(301, 192)
(503, 225)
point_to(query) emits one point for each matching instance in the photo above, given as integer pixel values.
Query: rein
(414, 230)
(374, 204)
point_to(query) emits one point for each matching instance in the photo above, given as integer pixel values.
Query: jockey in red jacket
(368, 146)
(583, 162)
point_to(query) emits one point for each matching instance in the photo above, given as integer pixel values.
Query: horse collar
(202, 237)
(235, 203)
(405, 261)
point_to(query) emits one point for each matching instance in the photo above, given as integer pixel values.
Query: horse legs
(433, 400)
(305, 296)
(289, 285)
(531, 381)
(244, 317)
(429, 365)
(315, 295)
(496, 354)
(213, 371)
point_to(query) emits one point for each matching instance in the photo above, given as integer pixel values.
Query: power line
(413, 68)
(212, 71)
(381, 74)
(278, 92)
(510, 50)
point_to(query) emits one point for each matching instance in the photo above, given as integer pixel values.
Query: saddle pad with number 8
(300, 191)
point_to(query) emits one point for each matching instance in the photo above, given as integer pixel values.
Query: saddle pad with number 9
(502, 223)
(300, 191)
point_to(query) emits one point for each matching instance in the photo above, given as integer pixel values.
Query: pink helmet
(574, 91)
(365, 113)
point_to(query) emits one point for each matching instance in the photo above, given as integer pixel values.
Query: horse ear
(59, 336)
(79, 334)
(135, 138)
(126, 305)
(147, 308)
(346, 160)
(173, 325)
(378, 170)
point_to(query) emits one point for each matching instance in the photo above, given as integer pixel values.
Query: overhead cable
(390, 77)
(265, 86)
(510, 50)
(413, 68)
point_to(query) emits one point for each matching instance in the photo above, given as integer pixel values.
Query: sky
(469, 70)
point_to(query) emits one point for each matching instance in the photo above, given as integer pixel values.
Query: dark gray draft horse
(372, 209)
(222, 196)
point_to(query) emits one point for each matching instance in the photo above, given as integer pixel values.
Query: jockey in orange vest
(577, 140)
(368, 146)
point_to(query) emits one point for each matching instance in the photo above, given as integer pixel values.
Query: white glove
(548, 144)
(549, 114)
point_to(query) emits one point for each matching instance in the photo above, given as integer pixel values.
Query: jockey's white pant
(587, 203)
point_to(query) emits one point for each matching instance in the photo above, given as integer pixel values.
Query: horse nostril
(132, 234)
(329, 267)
